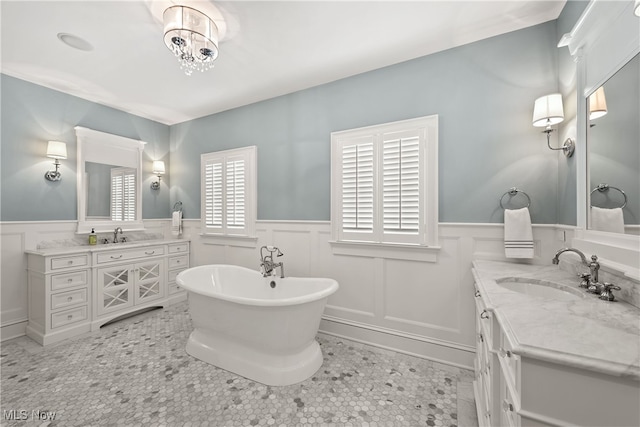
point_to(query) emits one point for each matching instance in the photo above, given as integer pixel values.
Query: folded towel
(518, 236)
(176, 223)
(603, 219)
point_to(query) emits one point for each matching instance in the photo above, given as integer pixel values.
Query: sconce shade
(547, 110)
(158, 167)
(57, 150)
(597, 104)
(636, 8)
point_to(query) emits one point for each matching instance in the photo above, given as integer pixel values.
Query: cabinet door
(114, 288)
(149, 277)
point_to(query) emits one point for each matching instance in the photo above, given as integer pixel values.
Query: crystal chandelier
(192, 36)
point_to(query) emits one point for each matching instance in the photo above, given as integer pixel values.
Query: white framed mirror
(605, 38)
(109, 181)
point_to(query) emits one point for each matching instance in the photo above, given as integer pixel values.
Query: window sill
(386, 250)
(229, 240)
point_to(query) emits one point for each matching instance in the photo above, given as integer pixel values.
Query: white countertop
(587, 332)
(67, 250)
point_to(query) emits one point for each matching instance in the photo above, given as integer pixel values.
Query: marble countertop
(67, 250)
(584, 332)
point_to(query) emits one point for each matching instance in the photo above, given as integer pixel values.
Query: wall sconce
(597, 104)
(636, 8)
(547, 111)
(55, 150)
(158, 169)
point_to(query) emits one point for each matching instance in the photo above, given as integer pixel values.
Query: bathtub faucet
(267, 266)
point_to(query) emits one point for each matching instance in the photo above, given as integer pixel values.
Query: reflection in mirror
(614, 152)
(108, 181)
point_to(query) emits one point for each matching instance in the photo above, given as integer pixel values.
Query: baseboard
(453, 355)
(14, 330)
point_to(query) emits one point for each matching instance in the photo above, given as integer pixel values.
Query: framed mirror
(109, 181)
(613, 142)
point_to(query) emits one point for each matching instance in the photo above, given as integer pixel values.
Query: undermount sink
(540, 288)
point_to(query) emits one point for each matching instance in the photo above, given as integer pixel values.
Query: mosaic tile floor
(136, 372)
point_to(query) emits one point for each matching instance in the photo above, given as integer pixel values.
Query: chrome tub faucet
(267, 265)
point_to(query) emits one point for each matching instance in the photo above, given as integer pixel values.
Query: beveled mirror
(109, 181)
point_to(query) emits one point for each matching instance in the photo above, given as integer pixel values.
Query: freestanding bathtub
(262, 328)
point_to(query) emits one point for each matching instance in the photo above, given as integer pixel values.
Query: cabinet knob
(70, 316)
(477, 293)
(507, 406)
(70, 262)
(69, 299)
(69, 280)
(481, 337)
(504, 353)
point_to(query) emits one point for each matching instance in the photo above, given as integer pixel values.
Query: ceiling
(269, 48)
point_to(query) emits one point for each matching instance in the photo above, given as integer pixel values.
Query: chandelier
(192, 36)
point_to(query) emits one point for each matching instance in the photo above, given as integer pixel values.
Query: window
(384, 183)
(229, 192)
(123, 194)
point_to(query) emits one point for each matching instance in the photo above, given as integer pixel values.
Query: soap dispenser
(93, 238)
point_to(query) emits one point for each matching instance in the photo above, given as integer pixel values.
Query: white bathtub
(245, 326)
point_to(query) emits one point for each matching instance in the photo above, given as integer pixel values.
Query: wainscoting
(420, 308)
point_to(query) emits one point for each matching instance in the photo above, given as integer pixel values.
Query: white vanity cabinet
(59, 296)
(543, 388)
(72, 291)
(132, 284)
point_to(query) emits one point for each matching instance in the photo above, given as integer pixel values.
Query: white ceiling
(270, 47)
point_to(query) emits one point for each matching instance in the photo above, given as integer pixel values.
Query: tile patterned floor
(136, 372)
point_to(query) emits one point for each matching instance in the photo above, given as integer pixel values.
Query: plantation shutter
(235, 193)
(226, 191)
(401, 185)
(213, 203)
(358, 186)
(123, 194)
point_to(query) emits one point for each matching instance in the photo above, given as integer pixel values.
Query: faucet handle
(606, 294)
(586, 280)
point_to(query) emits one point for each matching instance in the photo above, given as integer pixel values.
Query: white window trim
(426, 247)
(249, 154)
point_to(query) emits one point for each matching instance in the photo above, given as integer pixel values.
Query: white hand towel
(518, 236)
(176, 223)
(603, 219)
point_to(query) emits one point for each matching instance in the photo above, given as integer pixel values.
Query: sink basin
(541, 289)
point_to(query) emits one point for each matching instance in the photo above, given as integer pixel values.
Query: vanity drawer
(510, 362)
(178, 248)
(178, 262)
(173, 274)
(485, 320)
(67, 299)
(174, 288)
(125, 255)
(68, 280)
(69, 261)
(67, 317)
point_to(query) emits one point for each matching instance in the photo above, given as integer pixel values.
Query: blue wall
(33, 115)
(483, 93)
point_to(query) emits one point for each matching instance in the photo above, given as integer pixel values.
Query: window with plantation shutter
(228, 192)
(384, 183)
(123, 194)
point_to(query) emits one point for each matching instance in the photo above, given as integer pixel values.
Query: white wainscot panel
(355, 299)
(14, 278)
(419, 299)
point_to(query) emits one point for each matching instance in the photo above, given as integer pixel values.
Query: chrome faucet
(590, 280)
(115, 234)
(267, 266)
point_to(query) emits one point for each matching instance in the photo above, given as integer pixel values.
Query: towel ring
(605, 187)
(512, 192)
